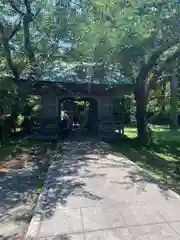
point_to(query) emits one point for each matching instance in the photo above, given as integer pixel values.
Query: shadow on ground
(167, 172)
(67, 174)
(19, 180)
(62, 181)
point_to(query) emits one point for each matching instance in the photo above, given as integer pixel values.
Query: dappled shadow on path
(83, 162)
(155, 169)
(135, 177)
(59, 237)
(140, 179)
(65, 178)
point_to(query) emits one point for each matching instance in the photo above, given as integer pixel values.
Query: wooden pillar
(119, 113)
(48, 106)
(105, 114)
(105, 109)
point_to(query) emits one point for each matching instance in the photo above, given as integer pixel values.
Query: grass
(15, 153)
(166, 142)
(161, 159)
(130, 132)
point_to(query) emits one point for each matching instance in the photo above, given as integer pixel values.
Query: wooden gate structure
(108, 110)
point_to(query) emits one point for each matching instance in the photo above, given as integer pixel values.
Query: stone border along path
(92, 193)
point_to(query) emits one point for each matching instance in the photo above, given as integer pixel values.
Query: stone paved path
(92, 193)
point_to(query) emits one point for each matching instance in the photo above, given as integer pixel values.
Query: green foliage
(32, 105)
(119, 33)
(125, 32)
(133, 40)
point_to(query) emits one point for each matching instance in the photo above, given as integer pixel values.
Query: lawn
(161, 159)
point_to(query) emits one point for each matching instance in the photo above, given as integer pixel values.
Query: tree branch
(1, 29)
(27, 42)
(37, 12)
(28, 6)
(145, 69)
(27, 18)
(9, 60)
(158, 73)
(142, 86)
(13, 5)
(15, 30)
(7, 50)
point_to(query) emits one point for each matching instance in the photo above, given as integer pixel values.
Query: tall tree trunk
(173, 102)
(141, 120)
(141, 97)
(141, 114)
(163, 108)
(27, 19)
(9, 60)
(142, 88)
(27, 16)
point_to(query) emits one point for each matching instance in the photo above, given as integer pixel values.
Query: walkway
(92, 193)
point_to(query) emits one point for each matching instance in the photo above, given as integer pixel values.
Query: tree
(13, 34)
(15, 19)
(122, 39)
(138, 37)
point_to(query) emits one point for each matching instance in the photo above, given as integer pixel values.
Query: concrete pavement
(92, 193)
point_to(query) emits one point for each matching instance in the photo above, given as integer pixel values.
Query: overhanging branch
(7, 50)
(13, 5)
(145, 69)
(28, 6)
(15, 29)
(37, 12)
(158, 74)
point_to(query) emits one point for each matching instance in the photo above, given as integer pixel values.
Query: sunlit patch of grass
(160, 128)
(130, 132)
(164, 133)
(160, 133)
(167, 157)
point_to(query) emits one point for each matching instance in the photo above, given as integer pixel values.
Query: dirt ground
(22, 171)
